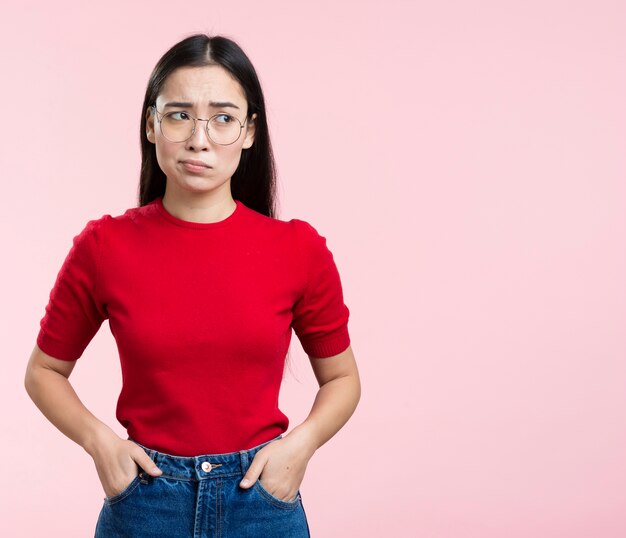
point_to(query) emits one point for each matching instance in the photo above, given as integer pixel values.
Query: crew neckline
(233, 217)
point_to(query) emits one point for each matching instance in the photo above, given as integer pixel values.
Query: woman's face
(202, 87)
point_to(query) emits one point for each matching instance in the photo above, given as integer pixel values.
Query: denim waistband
(205, 466)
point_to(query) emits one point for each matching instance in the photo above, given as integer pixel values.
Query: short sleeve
(320, 316)
(74, 312)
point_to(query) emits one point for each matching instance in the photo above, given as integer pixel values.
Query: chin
(201, 185)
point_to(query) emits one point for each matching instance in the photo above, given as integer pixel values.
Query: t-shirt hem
(328, 347)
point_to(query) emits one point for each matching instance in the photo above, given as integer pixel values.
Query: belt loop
(243, 457)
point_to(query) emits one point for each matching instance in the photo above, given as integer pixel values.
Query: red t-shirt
(202, 314)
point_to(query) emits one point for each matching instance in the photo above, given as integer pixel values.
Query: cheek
(228, 156)
(165, 156)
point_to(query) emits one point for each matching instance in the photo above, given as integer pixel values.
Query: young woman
(202, 286)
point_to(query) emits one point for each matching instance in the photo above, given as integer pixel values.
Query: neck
(199, 207)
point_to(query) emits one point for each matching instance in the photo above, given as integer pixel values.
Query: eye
(223, 118)
(178, 116)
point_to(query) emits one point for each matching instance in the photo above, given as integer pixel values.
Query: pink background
(465, 161)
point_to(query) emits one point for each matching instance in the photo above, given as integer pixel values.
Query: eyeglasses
(179, 126)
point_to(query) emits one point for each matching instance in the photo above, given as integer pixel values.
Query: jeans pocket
(275, 501)
(126, 491)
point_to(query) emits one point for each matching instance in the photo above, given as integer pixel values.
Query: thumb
(252, 473)
(146, 463)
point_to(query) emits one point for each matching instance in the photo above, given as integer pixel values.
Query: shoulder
(98, 230)
(311, 245)
(132, 214)
(304, 231)
(93, 230)
(296, 237)
(120, 221)
(302, 226)
(309, 238)
(293, 231)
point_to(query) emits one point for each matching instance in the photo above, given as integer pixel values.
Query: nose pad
(203, 141)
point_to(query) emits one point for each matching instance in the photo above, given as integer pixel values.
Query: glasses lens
(176, 126)
(224, 129)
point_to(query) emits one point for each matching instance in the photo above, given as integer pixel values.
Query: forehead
(199, 85)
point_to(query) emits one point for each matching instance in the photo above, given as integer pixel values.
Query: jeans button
(206, 466)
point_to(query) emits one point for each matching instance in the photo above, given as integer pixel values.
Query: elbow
(29, 382)
(354, 386)
(357, 382)
(30, 379)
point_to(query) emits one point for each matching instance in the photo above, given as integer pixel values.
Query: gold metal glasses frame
(195, 120)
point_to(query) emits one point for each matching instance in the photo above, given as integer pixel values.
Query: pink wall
(466, 161)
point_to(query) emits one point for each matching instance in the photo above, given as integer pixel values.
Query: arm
(336, 400)
(47, 384)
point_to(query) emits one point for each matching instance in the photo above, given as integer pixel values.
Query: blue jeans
(192, 499)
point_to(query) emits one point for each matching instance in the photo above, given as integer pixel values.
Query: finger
(253, 471)
(145, 462)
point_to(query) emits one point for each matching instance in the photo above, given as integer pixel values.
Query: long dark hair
(254, 180)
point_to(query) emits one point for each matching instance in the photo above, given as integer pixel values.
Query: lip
(193, 162)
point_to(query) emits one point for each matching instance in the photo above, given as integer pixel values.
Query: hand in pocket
(125, 482)
(118, 462)
(283, 464)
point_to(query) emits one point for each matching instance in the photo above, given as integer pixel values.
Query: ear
(250, 131)
(150, 125)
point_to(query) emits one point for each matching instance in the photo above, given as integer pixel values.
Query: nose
(199, 139)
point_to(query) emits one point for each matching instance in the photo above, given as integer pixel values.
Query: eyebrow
(215, 104)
